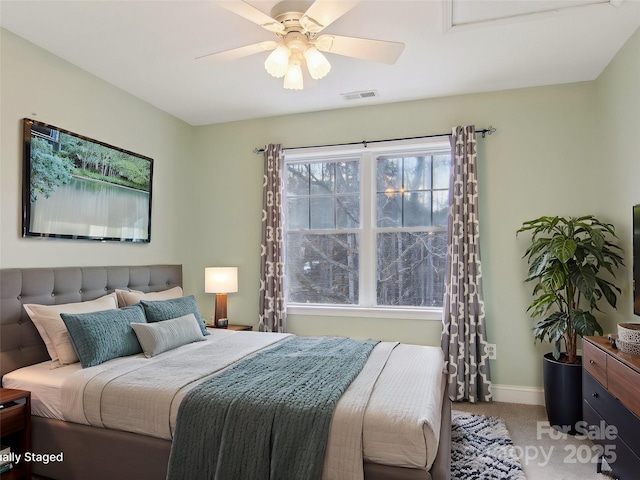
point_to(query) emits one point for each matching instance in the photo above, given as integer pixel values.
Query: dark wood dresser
(611, 404)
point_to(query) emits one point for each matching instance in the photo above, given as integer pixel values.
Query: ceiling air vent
(359, 95)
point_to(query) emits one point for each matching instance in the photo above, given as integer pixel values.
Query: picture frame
(75, 187)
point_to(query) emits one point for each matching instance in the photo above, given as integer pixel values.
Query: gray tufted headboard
(20, 343)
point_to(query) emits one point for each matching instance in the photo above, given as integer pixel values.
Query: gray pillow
(159, 337)
(101, 336)
(162, 310)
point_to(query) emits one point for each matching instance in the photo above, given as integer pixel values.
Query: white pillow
(121, 302)
(53, 331)
(158, 337)
(131, 297)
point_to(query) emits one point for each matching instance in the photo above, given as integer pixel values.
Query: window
(366, 228)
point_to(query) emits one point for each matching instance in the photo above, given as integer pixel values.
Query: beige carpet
(544, 454)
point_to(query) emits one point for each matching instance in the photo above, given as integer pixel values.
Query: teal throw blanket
(268, 416)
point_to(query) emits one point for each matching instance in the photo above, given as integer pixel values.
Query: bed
(92, 452)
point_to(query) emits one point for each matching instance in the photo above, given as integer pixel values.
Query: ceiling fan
(296, 25)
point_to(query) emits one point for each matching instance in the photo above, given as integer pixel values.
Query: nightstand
(235, 327)
(247, 328)
(15, 428)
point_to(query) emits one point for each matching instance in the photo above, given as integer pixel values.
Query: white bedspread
(390, 413)
(152, 388)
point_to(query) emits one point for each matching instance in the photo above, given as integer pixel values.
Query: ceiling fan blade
(324, 12)
(252, 14)
(374, 50)
(239, 52)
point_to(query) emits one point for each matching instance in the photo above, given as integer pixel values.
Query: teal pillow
(101, 336)
(161, 310)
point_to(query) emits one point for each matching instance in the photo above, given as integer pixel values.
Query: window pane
(322, 178)
(440, 207)
(322, 213)
(441, 171)
(322, 268)
(297, 179)
(389, 174)
(389, 209)
(417, 173)
(417, 209)
(348, 211)
(410, 268)
(348, 177)
(298, 213)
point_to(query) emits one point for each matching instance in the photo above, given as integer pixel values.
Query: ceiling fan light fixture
(297, 25)
(277, 62)
(317, 63)
(293, 77)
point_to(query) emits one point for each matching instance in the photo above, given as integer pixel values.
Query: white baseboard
(518, 394)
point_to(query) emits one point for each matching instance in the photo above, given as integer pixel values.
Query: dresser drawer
(599, 398)
(626, 463)
(624, 383)
(611, 411)
(594, 361)
(12, 418)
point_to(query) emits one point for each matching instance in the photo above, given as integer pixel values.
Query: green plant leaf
(584, 278)
(538, 266)
(541, 304)
(607, 289)
(554, 278)
(551, 328)
(540, 247)
(598, 238)
(585, 323)
(563, 248)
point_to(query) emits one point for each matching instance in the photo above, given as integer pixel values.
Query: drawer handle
(591, 362)
(595, 395)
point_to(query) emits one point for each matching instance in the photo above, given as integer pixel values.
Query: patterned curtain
(464, 335)
(272, 310)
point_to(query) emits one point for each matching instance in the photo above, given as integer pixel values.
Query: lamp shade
(293, 78)
(278, 61)
(221, 279)
(317, 63)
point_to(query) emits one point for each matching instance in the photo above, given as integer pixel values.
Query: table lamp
(221, 280)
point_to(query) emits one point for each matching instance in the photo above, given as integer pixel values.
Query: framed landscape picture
(79, 188)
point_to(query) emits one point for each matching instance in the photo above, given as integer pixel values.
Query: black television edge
(75, 187)
(636, 259)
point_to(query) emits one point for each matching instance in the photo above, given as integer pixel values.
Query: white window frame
(366, 154)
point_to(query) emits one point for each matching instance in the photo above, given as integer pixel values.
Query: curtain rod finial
(487, 131)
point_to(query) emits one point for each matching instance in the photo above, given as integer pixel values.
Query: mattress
(401, 419)
(45, 384)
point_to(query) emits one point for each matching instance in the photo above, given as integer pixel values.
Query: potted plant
(568, 259)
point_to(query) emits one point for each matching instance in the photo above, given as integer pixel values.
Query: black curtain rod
(483, 132)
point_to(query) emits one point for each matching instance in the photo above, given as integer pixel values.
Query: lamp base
(220, 316)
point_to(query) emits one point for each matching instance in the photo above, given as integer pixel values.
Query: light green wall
(36, 84)
(618, 160)
(544, 136)
(558, 150)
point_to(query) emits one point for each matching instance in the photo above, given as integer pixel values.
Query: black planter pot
(562, 393)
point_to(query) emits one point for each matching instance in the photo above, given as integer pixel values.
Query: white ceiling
(148, 48)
